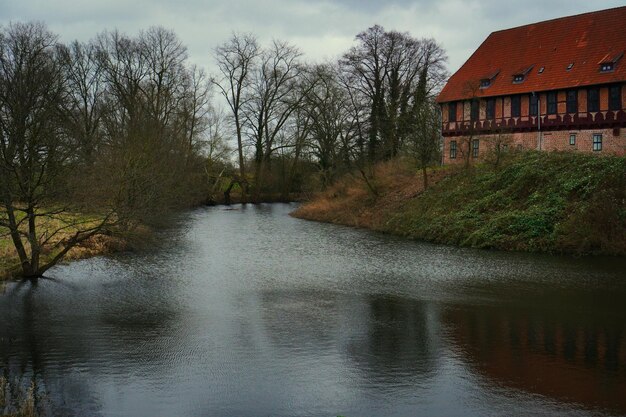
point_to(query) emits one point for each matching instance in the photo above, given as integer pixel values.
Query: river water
(249, 312)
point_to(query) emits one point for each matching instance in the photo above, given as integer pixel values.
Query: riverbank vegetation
(533, 201)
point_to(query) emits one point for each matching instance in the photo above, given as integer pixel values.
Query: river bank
(534, 202)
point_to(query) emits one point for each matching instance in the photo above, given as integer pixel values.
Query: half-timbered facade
(553, 85)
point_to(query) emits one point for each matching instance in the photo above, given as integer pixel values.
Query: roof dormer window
(570, 66)
(520, 75)
(487, 81)
(541, 70)
(607, 64)
(607, 67)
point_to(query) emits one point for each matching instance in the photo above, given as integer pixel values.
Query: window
(518, 78)
(485, 83)
(453, 149)
(541, 70)
(593, 99)
(516, 106)
(475, 144)
(570, 66)
(572, 101)
(597, 142)
(452, 112)
(606, 67)
(491, 108)
(474, 110)
(552, 102)
(533, 105)
(615, 97)
(572, 139)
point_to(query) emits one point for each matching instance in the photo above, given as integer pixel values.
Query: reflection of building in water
(400, 341)
(580, 361)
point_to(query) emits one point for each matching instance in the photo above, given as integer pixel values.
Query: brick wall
(551, 141)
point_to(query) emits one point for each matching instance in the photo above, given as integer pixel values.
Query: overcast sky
(321, 29)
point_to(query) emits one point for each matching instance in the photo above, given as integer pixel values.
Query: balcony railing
(593, 120)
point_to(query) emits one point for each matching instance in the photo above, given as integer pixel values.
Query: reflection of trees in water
(23, 348)
(66, 343)
(401, 341)
(387, 339)
(561, 350)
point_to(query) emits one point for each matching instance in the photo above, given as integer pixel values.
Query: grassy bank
(535, 201)
(96, 245)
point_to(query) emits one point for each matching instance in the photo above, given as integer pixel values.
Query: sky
(322, 29)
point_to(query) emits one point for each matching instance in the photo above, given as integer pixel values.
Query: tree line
(117, 131)
(95, 135)
(376, 102)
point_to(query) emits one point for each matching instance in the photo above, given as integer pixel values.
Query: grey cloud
(321, 28)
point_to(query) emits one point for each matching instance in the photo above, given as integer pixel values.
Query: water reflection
(401, 343)
(250, 312)
(565, 354)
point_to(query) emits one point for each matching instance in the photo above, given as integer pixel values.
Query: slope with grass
(535, 201)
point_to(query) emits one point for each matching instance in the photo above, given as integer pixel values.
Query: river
(246, 311)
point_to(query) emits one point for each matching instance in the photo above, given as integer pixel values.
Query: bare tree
(236, 59)
(84, 101)
(274, 96)
(36, 156)
(386, 69)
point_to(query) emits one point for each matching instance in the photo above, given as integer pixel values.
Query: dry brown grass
(350, 201)
(96, 245)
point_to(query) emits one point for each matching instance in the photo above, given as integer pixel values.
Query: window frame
(475, 148)
(453, 149)
(597, 142)
(571, 100)
(551, 102)
(572, 139)
(593, 104)
(517, 107)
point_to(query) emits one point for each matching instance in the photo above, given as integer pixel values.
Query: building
(553, 85)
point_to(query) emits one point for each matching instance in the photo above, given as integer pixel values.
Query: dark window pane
(475, 144)
(491, 108)
(552, 103)
(572, 101)
(533, 105)
(453, 149)
(615, 97)
(593, 100)
(474, 110)
(516, 105)
(452, 112)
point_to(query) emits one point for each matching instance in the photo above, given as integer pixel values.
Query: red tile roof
(586, 40)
